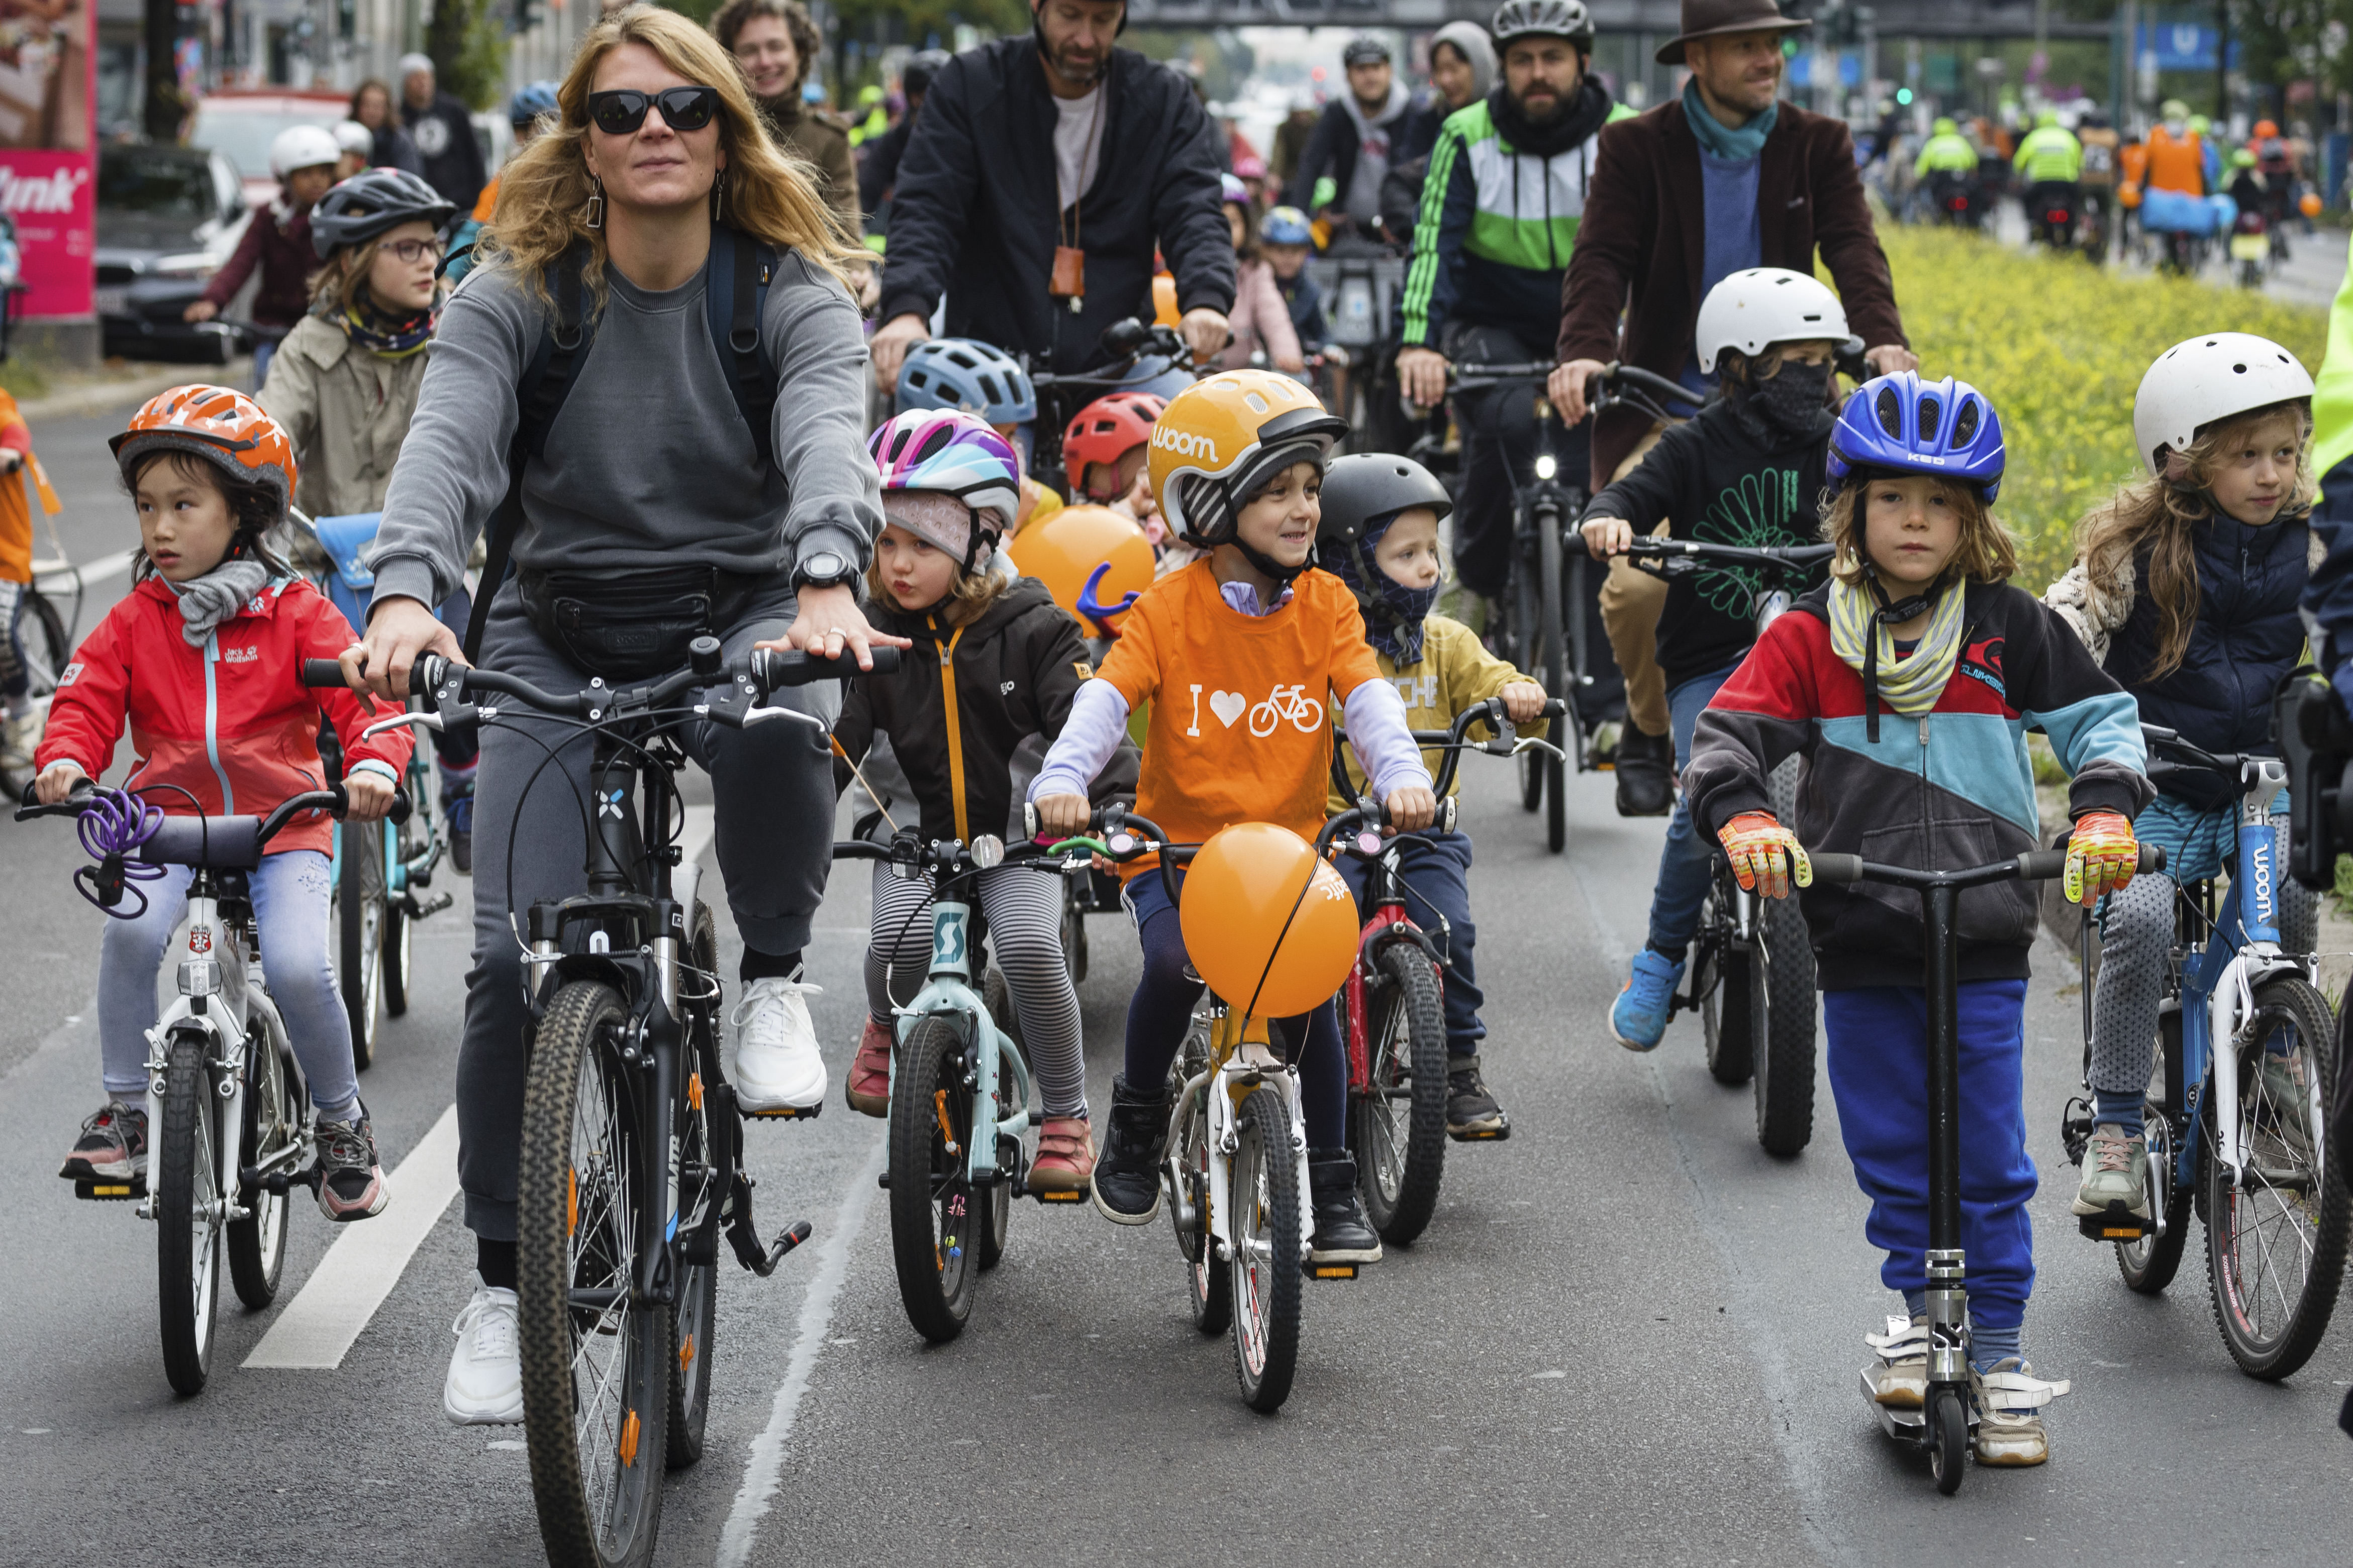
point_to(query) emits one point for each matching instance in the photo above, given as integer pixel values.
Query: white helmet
(303, 147)
(2194, 383)
(1758, 307)
(353, 137)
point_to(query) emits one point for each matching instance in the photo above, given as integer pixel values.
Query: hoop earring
(595, 201)
(718, 195)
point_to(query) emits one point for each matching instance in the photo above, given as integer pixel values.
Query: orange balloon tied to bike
(1092, 561)
(1267, 923)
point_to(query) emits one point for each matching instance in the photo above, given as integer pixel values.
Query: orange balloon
(2128, 194)
(2309, 204)
(1061, 550)
(1164, 301)
(1267, 923)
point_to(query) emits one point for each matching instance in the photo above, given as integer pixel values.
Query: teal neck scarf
(1719, 141)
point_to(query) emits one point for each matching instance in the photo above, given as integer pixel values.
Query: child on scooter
(202, 659)
(2184, 589)
(949, 483)
(1746, 470)
(1238, 656)
(1908, 682)
(1379, 536)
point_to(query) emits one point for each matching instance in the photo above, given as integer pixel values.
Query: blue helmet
(966, 373)
(531, 100)
(1907, 426)
(1286, 225)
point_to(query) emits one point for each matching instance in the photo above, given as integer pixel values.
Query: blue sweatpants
(1437, 877)
(1878, 1055)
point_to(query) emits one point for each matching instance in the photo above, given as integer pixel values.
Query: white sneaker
(485, 1384)
(776, 1063)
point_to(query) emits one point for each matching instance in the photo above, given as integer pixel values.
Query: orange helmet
(1267, 921)
(219, 425)
(1108, 429)
(1219, 439)
(2264, 128)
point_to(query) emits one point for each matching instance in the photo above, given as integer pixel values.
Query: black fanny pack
(633, 625)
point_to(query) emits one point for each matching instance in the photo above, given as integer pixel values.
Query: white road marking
(765, 1462)
(320, 1326)
(104, 571)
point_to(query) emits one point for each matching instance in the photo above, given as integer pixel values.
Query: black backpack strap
(734, 300)
(539, 396)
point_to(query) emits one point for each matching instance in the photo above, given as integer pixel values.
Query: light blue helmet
(1286, 225)
(531, 100)
(964, 372)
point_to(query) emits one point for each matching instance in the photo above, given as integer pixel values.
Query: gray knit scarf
(206, 601)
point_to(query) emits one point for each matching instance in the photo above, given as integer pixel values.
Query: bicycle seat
(214, 843)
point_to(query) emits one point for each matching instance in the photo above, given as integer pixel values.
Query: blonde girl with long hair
(650, 512)
(2185, 589)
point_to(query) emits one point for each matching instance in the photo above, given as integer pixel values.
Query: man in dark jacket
(1362, 134)
(444, 135)
(1723, 178)
(1043, 173)
(879, 159)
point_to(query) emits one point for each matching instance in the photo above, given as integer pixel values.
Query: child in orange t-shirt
(1236, 657)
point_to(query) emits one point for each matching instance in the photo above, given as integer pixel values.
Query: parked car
(241, 125)
(168, 218)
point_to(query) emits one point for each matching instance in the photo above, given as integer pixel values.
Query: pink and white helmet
(950, 453)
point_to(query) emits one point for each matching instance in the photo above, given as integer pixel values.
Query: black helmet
(915, 76)
(1361, 489)
(370, 203)
(1543, 18)
(1364, 48)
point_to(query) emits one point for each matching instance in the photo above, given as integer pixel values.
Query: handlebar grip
(322, 673)
(1837, 869)
(773, 670)
(2040, 865)
(402, 807)
(2152, 857)
(1554, 707)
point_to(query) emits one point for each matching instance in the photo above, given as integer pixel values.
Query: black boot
(1127, 1180)
(1471, 1113)
(1646, 773)
(1340, 1233)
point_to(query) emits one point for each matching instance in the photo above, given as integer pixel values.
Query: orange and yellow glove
(1765, 855)
(2102, 856)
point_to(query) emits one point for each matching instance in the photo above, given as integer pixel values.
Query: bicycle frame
(947, 995)
(1387, 923)
(1242, 1056)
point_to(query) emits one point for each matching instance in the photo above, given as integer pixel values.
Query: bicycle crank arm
(432, 905)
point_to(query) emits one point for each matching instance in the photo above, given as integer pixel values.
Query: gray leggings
(1024, 911)
(2135, 939)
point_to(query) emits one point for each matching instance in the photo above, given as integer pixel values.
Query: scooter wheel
(1948, 1439)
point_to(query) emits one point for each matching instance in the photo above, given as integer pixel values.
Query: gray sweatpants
(773, 788)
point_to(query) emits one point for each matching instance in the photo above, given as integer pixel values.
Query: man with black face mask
(1746, 470)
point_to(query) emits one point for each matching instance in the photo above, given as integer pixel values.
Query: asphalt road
(2312, 273)
(1630, 1336)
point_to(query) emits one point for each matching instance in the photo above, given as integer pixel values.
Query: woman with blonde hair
(659, 484)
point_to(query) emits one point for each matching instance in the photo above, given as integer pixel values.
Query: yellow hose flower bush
(2059, 347)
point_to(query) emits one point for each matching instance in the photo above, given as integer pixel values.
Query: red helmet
(218, 424)
(1108, 429)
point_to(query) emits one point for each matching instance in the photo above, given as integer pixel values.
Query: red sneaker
(869, 1088)
(1066, 1156)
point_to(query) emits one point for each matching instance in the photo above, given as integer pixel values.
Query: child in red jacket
(203, 658)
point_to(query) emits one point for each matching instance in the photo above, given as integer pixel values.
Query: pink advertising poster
(47, 85)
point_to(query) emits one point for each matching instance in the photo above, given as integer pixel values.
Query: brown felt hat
(1713, 19)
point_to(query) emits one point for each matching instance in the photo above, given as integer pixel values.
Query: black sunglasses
(622, 111)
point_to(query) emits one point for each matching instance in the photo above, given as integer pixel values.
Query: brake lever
(1542, 745)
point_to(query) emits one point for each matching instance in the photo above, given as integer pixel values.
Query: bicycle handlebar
(1450, 740)
(2035, 866)
(1776, 558)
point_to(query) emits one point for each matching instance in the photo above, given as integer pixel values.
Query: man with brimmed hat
(1723, 178)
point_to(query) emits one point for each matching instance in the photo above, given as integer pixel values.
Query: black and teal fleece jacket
(1948, 789)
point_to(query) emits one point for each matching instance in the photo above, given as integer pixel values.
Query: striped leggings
(1024, 911)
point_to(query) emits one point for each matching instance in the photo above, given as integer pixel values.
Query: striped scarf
(1859, 636)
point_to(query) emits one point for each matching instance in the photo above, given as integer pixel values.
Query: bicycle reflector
(1267, 923)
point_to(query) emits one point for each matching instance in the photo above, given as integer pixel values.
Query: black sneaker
(351, 1183)
(458, 816)
(1471, 1113)
(1126, 1184)
(1646, 773)
(112, 1147)
(1340, 1233)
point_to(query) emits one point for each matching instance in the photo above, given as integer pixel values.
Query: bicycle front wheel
(406, 843)
(1559, 668)
(932, 1239)
(185, 1179)
(273, 1123)
(48, 650)
(1720, 979)
(596, 1363)
(1781, 1019)
(1398, 1125)
(1210, 1291)
(359, 933)
(694, 1315)
(2275, 1240)
(1270, 1250)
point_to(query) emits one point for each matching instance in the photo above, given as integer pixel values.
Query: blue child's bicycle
(2239, 1105)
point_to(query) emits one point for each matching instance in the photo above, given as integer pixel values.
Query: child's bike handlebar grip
(1829, 868)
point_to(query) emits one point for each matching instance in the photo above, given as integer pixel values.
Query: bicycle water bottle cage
(1095, 610)
(111, 825)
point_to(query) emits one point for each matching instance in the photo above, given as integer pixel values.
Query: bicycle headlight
(988, 851)
(1546, 466)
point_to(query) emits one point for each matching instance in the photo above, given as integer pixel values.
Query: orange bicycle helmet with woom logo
(219, 425)
(1221, 439)
(1268, 923)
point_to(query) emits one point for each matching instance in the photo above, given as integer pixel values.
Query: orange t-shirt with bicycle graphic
(1240, 727)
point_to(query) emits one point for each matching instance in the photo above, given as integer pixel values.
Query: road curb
(80, 402)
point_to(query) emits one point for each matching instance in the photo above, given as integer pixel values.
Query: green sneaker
(2116, 1173)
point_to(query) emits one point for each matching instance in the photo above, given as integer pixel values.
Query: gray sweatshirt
(649, 462)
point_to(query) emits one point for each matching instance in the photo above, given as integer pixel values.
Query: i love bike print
(1304, 713)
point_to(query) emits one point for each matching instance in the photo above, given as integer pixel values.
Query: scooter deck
(1904, 1426)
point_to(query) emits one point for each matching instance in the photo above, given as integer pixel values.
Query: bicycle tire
(1557, 669)
(596, 1465)
(1521, 650)
(185, 1176)
(1399, 1177)
(694, 1315)
(999, 1201)
(2277, 1140)
(930, 1193)
(274, 1119)
(397, 928)
(1781, 1022)
(1209, 1282)
(359, 934)
(48, 649)
(2148, 1265)
(1074, 932)
(1270, 1250)
(1724, 1004)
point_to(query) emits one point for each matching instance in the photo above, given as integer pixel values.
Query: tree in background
(468, 42)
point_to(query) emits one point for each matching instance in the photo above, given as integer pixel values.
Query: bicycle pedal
(111, 1192)
(430, 907)
(1331, 1270)
(1481, 1134)
(1059, 1197)
(782, 1113)
(2114, 1227)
